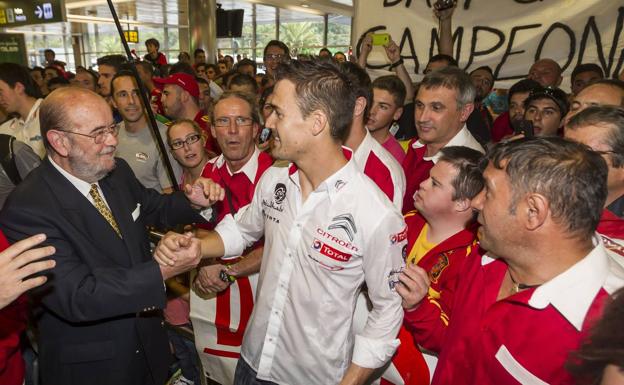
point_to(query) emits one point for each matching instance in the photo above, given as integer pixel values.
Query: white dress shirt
(27, 130)
(317, 255)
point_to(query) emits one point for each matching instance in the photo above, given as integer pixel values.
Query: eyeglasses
(274, 56)
(178, 144)
(100, 136)
(241, 121)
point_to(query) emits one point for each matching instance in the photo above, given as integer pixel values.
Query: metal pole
(150, 114)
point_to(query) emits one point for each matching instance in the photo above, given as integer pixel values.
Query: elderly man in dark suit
(99, 318)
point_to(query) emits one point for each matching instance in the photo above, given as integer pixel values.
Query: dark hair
(247, 98)
(324, 49)
(243, 80)
(12, 73)
(59, 80)
(202, 81)
(147, 67)
(603, 346)
(183, 53)
(38, 69)
(264, 96)
(247, 62)
(360, 84)
(114, 61)
(610, 116)
(484, 68)
(198, 65)
(557, 95)
(524, 85)
(568, 174)
(48, 50)
(394, 86)
(469, 180)
(321, 86)
(214, 67)
(455, 79)
(153, 42)
(277, 43)
(198, 51)
(587, 67)
(182, 67)
(118, 75)
(445, 58)
(55, 68)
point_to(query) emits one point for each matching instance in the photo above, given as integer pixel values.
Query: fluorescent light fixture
(93, 19)
(90, 3)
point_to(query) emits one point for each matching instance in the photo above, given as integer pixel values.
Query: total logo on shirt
(330, 252)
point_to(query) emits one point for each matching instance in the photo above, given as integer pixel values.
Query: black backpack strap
(7, 158)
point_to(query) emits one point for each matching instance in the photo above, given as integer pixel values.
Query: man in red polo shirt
(444, 101)
(220, 310)
(180, 100)
(519, 310)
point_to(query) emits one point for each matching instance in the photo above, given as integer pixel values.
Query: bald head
(66, 107)
(546, 72)
(603, 93)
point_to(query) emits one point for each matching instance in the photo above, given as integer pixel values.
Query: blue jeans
(184, 351)
(245, 375)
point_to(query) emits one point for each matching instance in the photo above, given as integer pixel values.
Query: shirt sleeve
(247, 226)
(25, 158)
(382, 263)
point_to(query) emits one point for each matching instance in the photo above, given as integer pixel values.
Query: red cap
(186, 81)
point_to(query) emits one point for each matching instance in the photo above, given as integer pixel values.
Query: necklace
(516, 287)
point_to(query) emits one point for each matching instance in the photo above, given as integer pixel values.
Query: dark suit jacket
(90, 332)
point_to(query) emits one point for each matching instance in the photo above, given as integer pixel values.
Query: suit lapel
(83, 218)
(122, 207)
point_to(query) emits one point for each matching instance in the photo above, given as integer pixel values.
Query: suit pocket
(89, 352)
(515, 369)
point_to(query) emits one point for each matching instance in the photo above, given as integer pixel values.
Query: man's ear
(537, 211)
(59, 142)
(466, 111)
(397, 114)
(360, 106)
(319, 122)
(462, 205)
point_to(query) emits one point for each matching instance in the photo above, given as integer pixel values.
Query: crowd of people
(205, 223)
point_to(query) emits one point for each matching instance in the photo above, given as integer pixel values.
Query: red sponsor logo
(337, 240)
(399, 237)
(330, 252)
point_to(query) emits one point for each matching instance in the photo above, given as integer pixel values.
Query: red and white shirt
(527, 337)
(220, 320)
(379, 165)
(317, 255)
(417, 166)
(611, 230)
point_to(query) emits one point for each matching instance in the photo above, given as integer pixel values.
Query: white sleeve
(382, 263)
(244, 228)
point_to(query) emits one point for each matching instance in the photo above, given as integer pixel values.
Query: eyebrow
(98, 128)
(273, 106)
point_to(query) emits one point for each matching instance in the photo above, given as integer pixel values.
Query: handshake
(177, 253)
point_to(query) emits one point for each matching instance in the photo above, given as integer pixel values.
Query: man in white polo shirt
(328, 230)
(19, 95)
(444, 102)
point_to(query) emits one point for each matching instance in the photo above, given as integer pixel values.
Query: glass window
(302, 32)
(338, 33)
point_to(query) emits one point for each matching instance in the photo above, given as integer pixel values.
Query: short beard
(84, 171)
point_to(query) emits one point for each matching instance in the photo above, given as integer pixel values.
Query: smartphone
(381, 38)
(265, 135)
(525, 127)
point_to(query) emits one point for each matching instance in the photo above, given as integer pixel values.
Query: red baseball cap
(186, 81)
